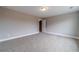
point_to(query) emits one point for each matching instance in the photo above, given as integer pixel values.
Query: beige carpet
(41, 42)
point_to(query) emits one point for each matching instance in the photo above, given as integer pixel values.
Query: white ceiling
(52, 10)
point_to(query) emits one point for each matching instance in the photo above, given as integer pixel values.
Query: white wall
(13, 23)
(44, 25)
(67, 24)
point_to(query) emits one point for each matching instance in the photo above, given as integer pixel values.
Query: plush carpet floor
(41, 42)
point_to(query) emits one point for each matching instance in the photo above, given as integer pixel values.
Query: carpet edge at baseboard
(17, 36)
(64, 35)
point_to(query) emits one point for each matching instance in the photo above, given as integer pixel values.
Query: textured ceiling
(52, 10)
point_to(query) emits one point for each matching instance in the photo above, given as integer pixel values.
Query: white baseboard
(64, 35)
(17, 37)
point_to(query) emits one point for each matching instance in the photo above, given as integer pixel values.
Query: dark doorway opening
(40, 26)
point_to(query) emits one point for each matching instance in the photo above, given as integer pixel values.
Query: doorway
(40, 26)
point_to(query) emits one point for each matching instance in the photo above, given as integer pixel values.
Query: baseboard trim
(64, 35)
(2, 40)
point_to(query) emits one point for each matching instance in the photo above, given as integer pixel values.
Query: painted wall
(67, 24)
(13, 23)
(43, 25)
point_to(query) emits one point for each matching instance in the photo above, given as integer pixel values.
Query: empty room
(39, 29)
